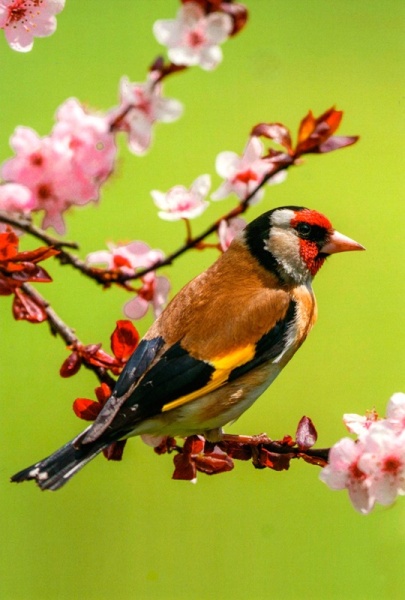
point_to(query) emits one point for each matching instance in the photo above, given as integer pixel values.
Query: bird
(219, 343)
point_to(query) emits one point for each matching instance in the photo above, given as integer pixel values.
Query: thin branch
(23, 222)
(106, 277)
(60, 328)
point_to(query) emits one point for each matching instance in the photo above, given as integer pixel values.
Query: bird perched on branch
(219, 343)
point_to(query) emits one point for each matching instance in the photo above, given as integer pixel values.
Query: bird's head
(293, 242)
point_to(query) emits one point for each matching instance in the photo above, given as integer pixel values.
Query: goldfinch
(219, 343)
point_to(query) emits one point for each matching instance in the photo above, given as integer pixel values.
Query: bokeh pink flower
(182, 203)
(193, 38)
(22, 20)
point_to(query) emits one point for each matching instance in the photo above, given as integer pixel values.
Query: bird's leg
(214, 435)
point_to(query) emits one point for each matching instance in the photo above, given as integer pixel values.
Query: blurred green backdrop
(127, 530)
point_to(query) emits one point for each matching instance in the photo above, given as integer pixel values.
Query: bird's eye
(304, 230)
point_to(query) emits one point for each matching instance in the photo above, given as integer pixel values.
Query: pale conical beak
(340, 243)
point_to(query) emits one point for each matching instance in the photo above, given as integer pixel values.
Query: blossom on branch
(244, 173)
(142, 105)
(15, 198)
(129, 259)
(182, 203)
(371, 468)
(66, 168)
(22, 20)
(227, 231)
(193, 38)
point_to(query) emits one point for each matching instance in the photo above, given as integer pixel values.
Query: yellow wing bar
(223, 367)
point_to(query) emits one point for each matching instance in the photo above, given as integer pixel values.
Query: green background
(126, 530)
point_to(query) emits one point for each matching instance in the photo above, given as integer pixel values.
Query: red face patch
(312, 217)
(309, 249)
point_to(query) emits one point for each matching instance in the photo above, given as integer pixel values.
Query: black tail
(53, 472)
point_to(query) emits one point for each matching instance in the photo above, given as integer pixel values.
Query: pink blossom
(16, 198)
(154, 293)
(22, 20)
(359, 424)
(182, 203)
(228, 230)
(129, 259)
(244, 173)
(383, 461)
(89, 141)
(65, 168)
(142, 105)
(372, 468)
(44, 168)
(343, 472)
(396, 411)
(193, 37)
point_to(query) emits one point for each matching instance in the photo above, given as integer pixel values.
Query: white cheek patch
(285, 247)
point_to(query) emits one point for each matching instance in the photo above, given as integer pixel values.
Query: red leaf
(93, 354)
(26, 309)
(6, 287)
(306, 434)
(8, 245)
(213, 463)
(103, 393)
(86, 409)
(37, 255)
(239, 15)
(115, 450)
(274, 131)
(336, 142)
(184, 468)
(194, 444)
(26, 271)
(71, 365)
(314, 460)
(272, 460)
(124, 340)
(238, 451)
(313, 132)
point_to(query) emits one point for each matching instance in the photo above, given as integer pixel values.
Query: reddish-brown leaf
(184, 467)
(115, 450)
(237, 451)
(276, 132)
(103, 393)
(272, 460)
(86, 409)
(36, 255)
(6, 287)
(26, 308)
(194, 444)
(238, 13)
(71, 365)
(315, 131)
(314, 460)
(214, 462)
(124, 340)
(336, 142)
(8, 245)
(306, 434)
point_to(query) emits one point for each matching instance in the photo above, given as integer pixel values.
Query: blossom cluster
(129, 259)
(372, 467)
(22, 20)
